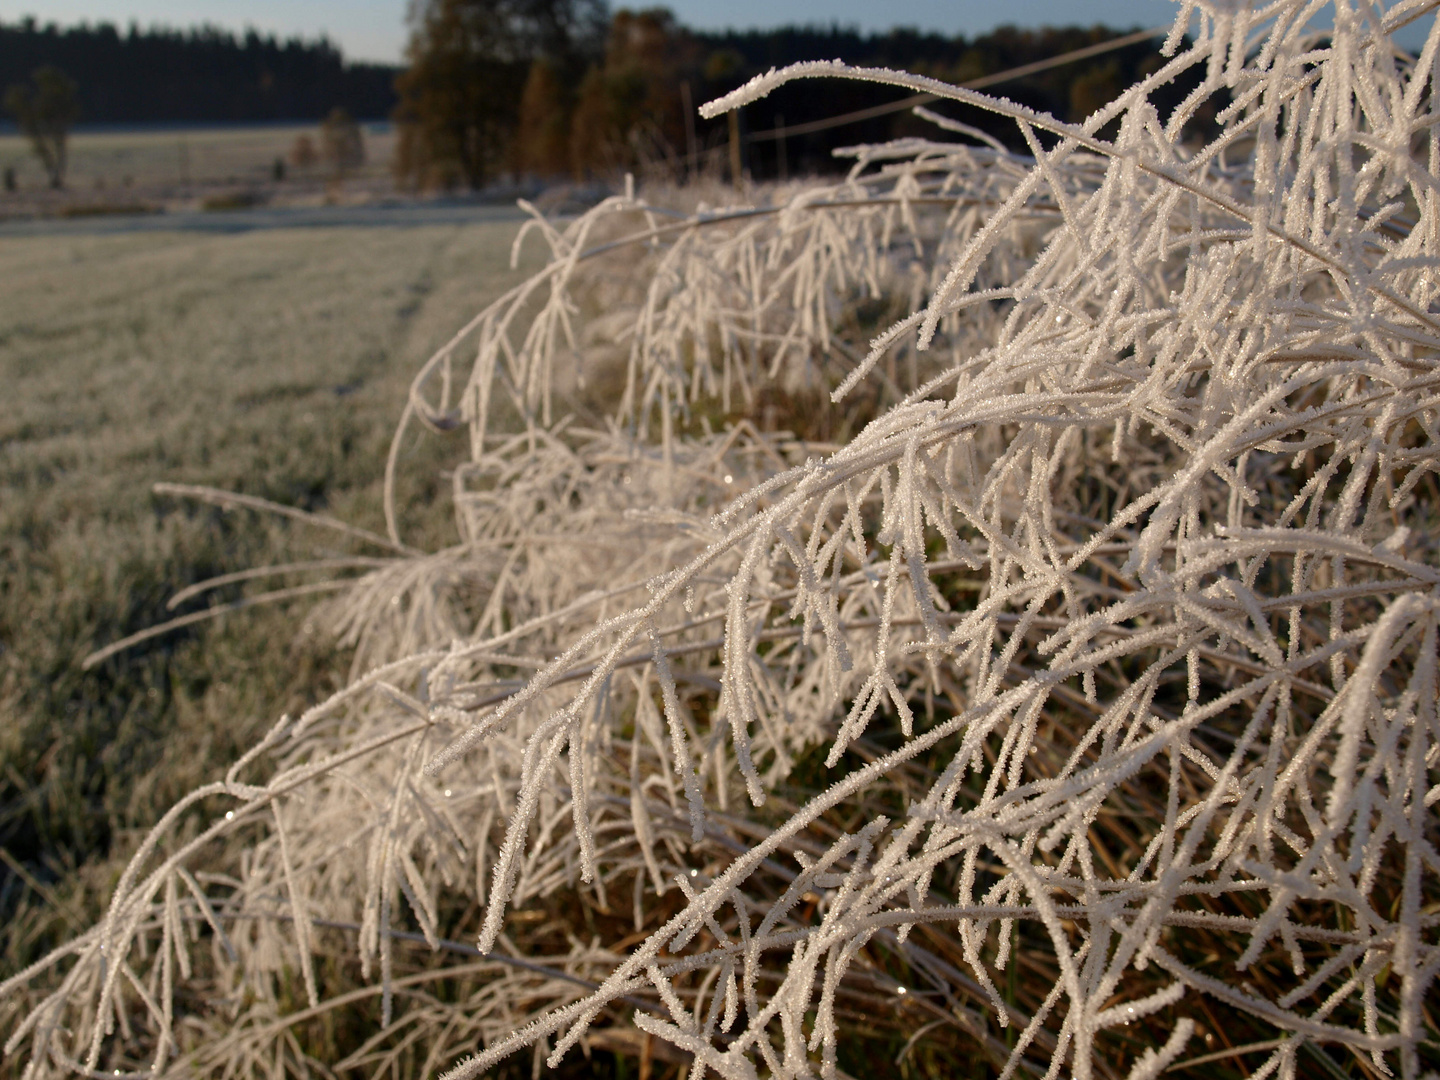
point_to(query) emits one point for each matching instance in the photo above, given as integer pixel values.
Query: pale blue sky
(375, 29)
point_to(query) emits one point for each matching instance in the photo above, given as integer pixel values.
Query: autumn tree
(461, 96)
(542, 138)
(45, 111)
(629, 111)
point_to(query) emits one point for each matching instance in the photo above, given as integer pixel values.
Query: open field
(273, 363)
(170, 164)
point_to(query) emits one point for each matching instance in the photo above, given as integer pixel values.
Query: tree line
(203, 75)
(556, 88)
(562, 88)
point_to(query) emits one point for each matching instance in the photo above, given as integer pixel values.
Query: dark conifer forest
(203, 75)
(210, 75)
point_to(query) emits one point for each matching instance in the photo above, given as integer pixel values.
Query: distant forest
(208, 75)
(205, 75)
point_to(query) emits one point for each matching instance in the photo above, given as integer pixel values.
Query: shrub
(302, 152)
(1062, 693)
(342, 144)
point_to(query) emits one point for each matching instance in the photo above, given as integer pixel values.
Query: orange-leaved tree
(629, 109)
(460, 97)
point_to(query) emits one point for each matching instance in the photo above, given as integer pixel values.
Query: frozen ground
(274, 360)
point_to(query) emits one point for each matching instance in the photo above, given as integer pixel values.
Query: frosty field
(272, 363)
(108, 163)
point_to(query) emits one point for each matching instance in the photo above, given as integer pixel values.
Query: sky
(375, 29)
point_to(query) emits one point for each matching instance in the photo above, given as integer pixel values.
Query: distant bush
(341, 144)
(302, 152)
(233, 200)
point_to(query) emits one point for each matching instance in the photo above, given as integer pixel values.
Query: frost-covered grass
(988, 603)
(270, 363)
